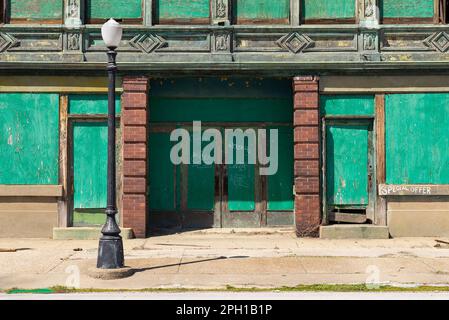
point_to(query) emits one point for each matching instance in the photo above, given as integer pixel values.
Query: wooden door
(348, 169)
(89, 169)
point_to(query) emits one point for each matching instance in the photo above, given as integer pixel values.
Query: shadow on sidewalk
(136, 270)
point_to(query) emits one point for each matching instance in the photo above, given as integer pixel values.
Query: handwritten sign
(412, 190)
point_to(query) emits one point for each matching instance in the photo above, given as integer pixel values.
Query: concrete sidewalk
(214, 260)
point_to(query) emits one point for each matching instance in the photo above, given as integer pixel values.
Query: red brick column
(307, 155)
(134, 139)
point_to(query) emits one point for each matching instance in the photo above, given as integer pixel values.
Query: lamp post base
(110, 253)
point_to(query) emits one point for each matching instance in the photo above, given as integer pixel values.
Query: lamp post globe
(110, 249)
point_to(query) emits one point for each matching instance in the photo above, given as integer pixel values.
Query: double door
(223, 193)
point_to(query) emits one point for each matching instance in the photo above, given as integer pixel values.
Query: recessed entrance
(191, 196)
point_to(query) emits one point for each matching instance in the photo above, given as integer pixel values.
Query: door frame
(77, 118)
(221, 213)
(354, 120)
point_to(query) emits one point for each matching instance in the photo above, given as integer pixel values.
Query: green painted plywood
(200, 183)
(29, 138)
(91, 104)
(347, 164)
(161, 173)
(241, 181)
(264, 10)
(90, 164)
(280, 185)
(407, 8)
(339, 105)
(325, 9)
(36, 9)
(182, 9)
(417, 138)
(221, 110)
(118, 9)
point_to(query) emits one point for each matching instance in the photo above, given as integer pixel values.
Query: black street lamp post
(110, 250)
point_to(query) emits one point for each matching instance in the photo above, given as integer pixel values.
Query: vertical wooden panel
(417, 142)
(200, 184)
(380, 216)
(261, 11)
(161, 173)
(29, 138)
(380, 133)
(90, 164)
(347, 164)
(241, 181)
(63, 203)
(21, 10)
(280, 195)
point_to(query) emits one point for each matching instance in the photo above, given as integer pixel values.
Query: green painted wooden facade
(324, 9)
(29, 138)
(347, 164)
(347, 105)
(118, 9)
(36, 9)
(90, 104)
(261, 11)
(90, 164)
(417, 139)
(182, 11)
(193, 187)
(407, 9)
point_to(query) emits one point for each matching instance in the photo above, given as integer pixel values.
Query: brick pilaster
(134, 139)
(307, 155)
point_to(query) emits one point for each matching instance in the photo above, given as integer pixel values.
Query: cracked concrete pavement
(214, 260)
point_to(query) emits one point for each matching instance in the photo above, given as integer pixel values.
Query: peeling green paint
(36, 9)
(118, 9)
(29, 138)
(325, 9)
(182, 9)
(354, 105)
(417, 139)
(347, 164)
(90, 164)
(266, 10)
(407, 8)
(91, 104)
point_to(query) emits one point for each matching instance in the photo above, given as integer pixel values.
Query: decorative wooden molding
(413, 190)
(31, 191)
(73, 12)
(55, 84)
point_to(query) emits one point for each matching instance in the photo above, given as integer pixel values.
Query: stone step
(86, 233)
(354, 231)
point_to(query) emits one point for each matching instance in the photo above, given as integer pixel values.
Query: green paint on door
(36, 9)
(354, 105)
(262, 10)
(29, 138)
(407, 8)
(280, 185)
(118, 9)
(241, 180)
(200, 183)
(161, 173)
(347, 164)
(220, 110)
(325, 9)
(90, 164)
(91, 104)
(417, 139)
(182, 9)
